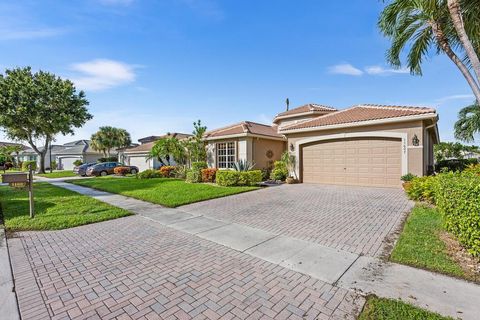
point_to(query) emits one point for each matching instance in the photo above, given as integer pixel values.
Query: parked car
(81, 170)
(106, 168)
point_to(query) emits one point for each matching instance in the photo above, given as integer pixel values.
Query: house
(258, 143)
(64, 155)
(138, 156)
(367, 145)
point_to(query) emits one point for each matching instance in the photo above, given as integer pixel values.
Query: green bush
(408, 177)
(149, 174)
(280, 171)
(199, 165)
(77, 162)
(421, 188)
(194, 176)
(108, 159)
(473, 168)
(454, 164)
(25, 165)
(458, 199)
(229, 178)
(180, 172)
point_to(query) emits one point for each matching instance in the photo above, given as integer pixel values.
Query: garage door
(359, 161)
(140, 162)
(67, 163)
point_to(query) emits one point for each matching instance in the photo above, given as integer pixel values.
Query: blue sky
(155, 66)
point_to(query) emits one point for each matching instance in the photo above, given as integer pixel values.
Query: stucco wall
(416, 161)
(260, 149)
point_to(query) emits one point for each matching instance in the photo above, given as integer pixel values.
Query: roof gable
(244, 127)
(307, 108)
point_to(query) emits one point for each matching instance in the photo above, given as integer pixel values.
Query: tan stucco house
(368, 145)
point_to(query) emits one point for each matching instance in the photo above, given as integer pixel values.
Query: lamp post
(50, 147)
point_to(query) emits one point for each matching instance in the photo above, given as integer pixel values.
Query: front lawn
(420, 246)
(58, 174)
(388, 309)
(55, 208)
(164, 191)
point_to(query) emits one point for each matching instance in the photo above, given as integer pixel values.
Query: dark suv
(81, 170)
(106, 168)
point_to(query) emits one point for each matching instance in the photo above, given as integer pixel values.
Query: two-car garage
(369, 161)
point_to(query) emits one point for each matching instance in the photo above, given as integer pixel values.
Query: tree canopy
(423, 27)
(167, 149)
(468, 123)
(35, 107)
(108, 138)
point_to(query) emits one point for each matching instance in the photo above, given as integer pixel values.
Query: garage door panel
(139, 162)
(360, 161)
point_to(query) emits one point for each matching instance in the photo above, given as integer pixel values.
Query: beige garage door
(359, 161)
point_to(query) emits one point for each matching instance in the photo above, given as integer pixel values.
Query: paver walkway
(354, 219)
(121, 267)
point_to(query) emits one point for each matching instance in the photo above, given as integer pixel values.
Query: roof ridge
(331, 114)
(224, 128)
(380, 106)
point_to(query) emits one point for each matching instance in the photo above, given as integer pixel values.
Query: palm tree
(108, 138)
(426, 25)
(468, 123)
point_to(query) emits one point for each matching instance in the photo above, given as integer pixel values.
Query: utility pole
(30, 191)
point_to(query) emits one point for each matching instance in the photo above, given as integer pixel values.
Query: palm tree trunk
(443, 42)
(455, 13)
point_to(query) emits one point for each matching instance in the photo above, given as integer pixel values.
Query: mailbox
(15, 178)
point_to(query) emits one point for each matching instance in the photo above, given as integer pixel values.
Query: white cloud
(22, 34)
(455, 97)
(345, 68)
(101, 74)
(379, 70)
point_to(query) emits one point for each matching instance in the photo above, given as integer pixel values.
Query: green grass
(420, 246)
(388, 309)
(55, 208)
(166, 192)
(58, 174)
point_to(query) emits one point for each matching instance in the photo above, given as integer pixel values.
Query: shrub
(149, 174)
(199, 165)
(243, 165)
(54, 165)
(266, 173)
(121, 171)
(421, 188)
(454, 164)
(458, 200)
(407, 177)
(108, 159)
(167, 171)
(473, 168)
(194, 176)
(208, 175)
(180, 172)
(25, 165)
(77, 162)
(229, 178)
(280, 171)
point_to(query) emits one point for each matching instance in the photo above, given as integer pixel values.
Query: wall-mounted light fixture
(415, 140)
(292, 147)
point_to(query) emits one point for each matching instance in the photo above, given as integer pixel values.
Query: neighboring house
(258, 143)
(367, 145)
(138, 156)
(64, 155)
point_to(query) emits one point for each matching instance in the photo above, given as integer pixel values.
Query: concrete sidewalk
(8, 300)
(366, 275)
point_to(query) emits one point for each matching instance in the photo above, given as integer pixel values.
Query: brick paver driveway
(133, 268)
(355, 219)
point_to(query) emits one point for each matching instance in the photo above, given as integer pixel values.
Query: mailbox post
(22, 180)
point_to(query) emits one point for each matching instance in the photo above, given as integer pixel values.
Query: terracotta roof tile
(244, 127)
(359, 113)
(146, 147)
(311, 107)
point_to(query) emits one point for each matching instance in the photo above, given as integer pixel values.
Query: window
(225, 155)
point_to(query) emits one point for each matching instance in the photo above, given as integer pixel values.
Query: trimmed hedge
(121, 171)
(454, 164)
(229, 178)
(194, 176)
(167, 171)
(149, 174)
(458, 199)
(209, 174)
